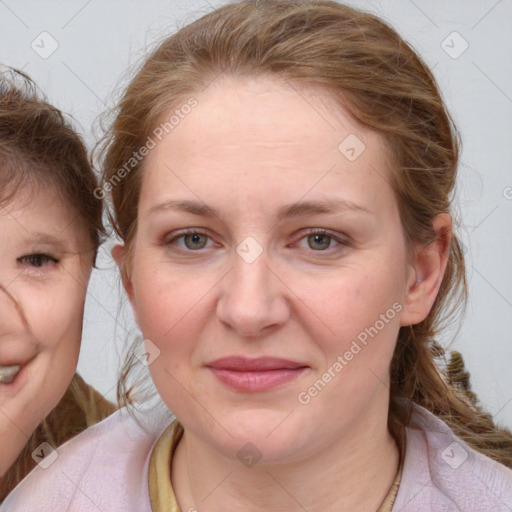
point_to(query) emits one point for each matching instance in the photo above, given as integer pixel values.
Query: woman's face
(269, 271)
(44, 270)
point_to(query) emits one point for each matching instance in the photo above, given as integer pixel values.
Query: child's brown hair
(40, 148)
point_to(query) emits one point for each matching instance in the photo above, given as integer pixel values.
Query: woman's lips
(260, 374)
(8, 373)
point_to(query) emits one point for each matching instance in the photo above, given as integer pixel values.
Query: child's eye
(37, 260)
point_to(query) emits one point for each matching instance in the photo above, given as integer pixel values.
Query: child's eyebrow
(285, 212)
(45, 238)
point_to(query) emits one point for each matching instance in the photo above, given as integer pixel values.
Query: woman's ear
(426, 273)
(119, 255)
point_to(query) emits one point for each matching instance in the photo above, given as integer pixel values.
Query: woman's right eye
(190, 241)
(195, 241)
(36, 260)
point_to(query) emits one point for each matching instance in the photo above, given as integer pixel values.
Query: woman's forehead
(270, 142)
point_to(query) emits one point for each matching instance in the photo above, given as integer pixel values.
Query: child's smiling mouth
(8, 373)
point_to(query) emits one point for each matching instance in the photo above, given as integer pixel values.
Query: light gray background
(99, 40)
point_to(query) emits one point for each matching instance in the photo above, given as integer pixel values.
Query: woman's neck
(353, 474)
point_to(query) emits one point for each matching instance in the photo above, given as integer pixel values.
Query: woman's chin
(261, 438)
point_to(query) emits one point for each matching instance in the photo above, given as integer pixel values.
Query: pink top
(106, 469)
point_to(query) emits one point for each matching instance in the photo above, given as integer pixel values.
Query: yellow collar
(161, 493)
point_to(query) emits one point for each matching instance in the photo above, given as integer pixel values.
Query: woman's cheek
(163, 299)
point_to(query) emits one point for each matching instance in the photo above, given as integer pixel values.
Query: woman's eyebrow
(328, 206)
(285, 212)
(194, 207)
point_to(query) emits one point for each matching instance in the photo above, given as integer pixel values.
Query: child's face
(44, 279)
(226, 264)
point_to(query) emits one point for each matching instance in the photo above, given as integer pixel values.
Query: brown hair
(371, 71)
(39, 148)
(79, 408)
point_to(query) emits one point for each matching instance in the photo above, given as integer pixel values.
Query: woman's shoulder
(441, 472)
(102, 468)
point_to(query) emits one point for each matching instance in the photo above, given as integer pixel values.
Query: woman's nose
(253, 299)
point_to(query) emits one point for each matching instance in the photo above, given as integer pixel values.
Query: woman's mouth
(260, 374)
(8, 373)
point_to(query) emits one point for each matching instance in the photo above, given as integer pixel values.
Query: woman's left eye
(37, 260)
(319, 241)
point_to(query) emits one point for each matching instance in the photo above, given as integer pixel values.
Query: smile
(8, 373)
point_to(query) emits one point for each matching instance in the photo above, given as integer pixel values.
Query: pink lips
(260, 374)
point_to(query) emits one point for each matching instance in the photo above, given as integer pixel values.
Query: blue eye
(195, 241)
(192, 240)
(319, 240)
(37, 260)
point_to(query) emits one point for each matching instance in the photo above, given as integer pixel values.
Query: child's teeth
(8, 373)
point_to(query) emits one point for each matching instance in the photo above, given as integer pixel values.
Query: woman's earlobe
(429, 266)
